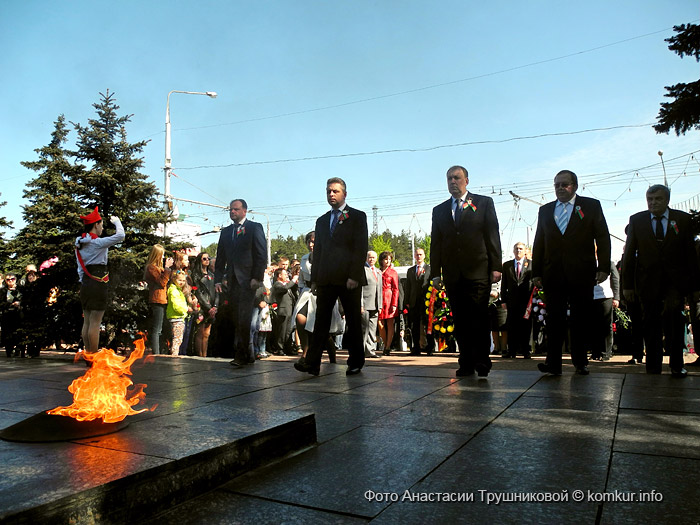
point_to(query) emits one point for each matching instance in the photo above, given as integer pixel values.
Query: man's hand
(600, 277)
(629, 295)
(537, 282)
(219, 288)
(616, 303)
(504, 306)
(351, 284)
(254, 283)
(495, 277)
(212, 311)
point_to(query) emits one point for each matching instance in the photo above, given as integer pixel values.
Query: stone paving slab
(655, 433)
(335, 475)
(676, 480)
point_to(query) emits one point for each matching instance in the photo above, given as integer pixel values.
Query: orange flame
(102, 391)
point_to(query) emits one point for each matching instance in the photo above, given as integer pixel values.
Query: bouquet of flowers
(440, 321)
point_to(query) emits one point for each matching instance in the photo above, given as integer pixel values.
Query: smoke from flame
(102, 392)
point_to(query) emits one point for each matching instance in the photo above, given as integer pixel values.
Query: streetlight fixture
(661, 154)
(168, 160)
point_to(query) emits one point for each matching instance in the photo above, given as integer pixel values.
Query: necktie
(419, 271)
(334, 222)
(517, 269)
(458, 211)
(659, 228)
(563, 218)
(235, 232)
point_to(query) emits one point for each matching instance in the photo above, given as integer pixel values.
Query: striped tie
(563, 218)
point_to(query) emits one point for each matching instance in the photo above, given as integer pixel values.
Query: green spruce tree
(111, 180)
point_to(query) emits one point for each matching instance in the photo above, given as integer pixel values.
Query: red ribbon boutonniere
(344, 215)
(241, 231)
(675, 227)
(579, 212)
(469, 204)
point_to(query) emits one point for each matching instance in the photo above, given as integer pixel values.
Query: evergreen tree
(4, 223)
(111, 180)
(51, 218)
(683, 114)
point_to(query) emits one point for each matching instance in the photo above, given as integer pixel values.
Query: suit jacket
(283, 295)
(416, 287)
(342, 256)
(471, 249)
(245, 256)
(650, 267)
(515, 291)
(372, 291)
(562, 260)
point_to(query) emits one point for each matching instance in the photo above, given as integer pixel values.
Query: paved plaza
(403, 442)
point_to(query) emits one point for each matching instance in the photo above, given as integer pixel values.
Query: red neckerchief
(92, 235)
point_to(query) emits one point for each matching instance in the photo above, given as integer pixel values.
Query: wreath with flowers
(440, 322)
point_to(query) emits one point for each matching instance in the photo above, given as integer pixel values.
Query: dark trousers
(469, 300)
(351, 300)
(418, 322)
(602, 318)
(241, 299)
(663, 322)
(279, 333)
(579, 300)
(519, 330)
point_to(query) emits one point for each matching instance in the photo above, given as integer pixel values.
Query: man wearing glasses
(241, 259)
(565, 266)
(10, 299)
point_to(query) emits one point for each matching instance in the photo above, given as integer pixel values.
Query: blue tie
(563, 218)
(458, 211)
(334, 222)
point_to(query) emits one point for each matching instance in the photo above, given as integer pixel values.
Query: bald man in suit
(565, 266)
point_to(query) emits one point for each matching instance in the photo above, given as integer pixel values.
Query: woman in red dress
(390, 300)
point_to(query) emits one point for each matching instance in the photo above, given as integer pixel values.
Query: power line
(428, 87)
(411, 150)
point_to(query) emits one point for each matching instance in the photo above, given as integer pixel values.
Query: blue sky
(388, 94)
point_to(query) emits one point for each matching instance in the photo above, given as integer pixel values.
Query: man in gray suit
(371, 305)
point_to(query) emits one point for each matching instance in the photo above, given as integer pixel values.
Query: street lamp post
(661, 154)
(168, 160)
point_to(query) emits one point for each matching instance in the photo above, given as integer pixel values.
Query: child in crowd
(262, 317)
(178, 308)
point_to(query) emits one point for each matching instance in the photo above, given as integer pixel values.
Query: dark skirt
(93, 294)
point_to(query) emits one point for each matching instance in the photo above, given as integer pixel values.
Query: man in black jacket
(465, 246)
(338, 273)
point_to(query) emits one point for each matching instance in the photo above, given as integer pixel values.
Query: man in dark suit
(371, 305)
(282, 294)
(564, 265)
(665, 274)
(241, 259)
(516, 289)
(465, 246)
(417, 281)
(338, 272)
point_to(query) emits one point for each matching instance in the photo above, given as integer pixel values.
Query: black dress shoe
(465, 372)
(527, 356)
(303, 367)
(633, 361)
(582, 371)
(481, 370)
(544, 368)
(237, 362)
(352, 371)
(653, 371)
(680, 374)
